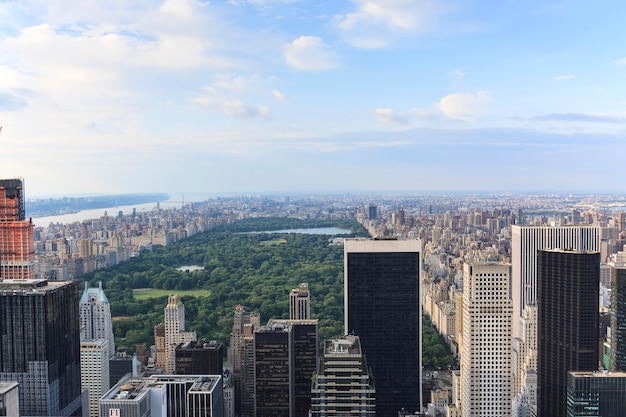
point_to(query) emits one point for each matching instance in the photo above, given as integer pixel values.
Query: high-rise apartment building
(596, 394)
(94, 372)
(17, 242)
(175, 333)
(486, 352)
(300, 303)
(567, 323)
(285, 357)
(241, 356)
(618, 318)
(343, 385)
(95, 318)
(382, 306)
(40, 345)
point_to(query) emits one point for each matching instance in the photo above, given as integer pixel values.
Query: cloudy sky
(337, 95)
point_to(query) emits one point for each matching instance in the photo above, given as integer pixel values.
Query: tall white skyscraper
(94, 372)
(175, 333)
(95, 318)
(486, 346)
(300, 303)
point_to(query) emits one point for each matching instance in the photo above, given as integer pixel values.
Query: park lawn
(146, 293)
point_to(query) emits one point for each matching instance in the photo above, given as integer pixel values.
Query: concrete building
(9, 399)
(567, 323)
(95, 317)
(486, 352)
(300, 303)
(94, 372)
(175, 333)
(165, 395)
(342, 385)
(382, 305)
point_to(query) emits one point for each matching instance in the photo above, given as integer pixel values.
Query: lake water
(311, 231)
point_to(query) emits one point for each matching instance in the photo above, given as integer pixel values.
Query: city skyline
(290, 96)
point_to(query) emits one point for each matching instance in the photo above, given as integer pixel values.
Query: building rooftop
(30, 285)
(598, 374)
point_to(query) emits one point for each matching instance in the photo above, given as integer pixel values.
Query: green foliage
(436, 353)
(238, 268)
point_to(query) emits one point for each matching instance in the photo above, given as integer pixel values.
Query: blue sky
(278, 95)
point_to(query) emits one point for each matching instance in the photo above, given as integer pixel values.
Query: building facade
(94, 372)
(241, 356)
(95, 318)
(486, 351)
(596, 394)
(199, 358)
(343, 385)
(382, 306)
(618, 318)
(17, 238)
(567, 323)
(40, 346)
(175, 333)
(300, 303)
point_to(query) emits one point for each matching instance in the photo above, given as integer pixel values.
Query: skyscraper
(94, 367)
(285, 357)
(300, 302)
(175, 333)
(241, 356)
(382, 307)
(40, 346)
(567, 323)
(17, 244)
(596, 394)
(486, 345)
(342, 385)
(199, 358)
(618, 318)
(95, 317)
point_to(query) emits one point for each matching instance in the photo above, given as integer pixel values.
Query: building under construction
(17, 244)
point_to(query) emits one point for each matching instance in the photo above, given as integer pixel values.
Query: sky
(270, 96)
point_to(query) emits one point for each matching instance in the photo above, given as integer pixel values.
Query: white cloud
(621, 61)
(278, 96)
(227, 81)
(310, 53)
(391, 117)
(374, 22)
(465, 106)
(563, 77)
(239, 109)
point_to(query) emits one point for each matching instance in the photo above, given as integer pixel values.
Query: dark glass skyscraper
(567, 323)
(199, 358)
(618, 319)
(40, 345)
(382, 307)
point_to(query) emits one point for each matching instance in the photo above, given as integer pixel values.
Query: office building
(165, 395)
(285, 358)
(300, 303)
(94, 372)
(567, 323)
(95, 318)
(40, 346)
(175, 333)
(9, 399)
(526, 241)
(618, 318)
(241, 356)
(596, 394)
(17, 242)
(343, 385)
(382, 306)
(122, 364)
(486, 353)
(199, 358)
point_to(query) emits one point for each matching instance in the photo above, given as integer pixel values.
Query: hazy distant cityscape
(491, 272)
